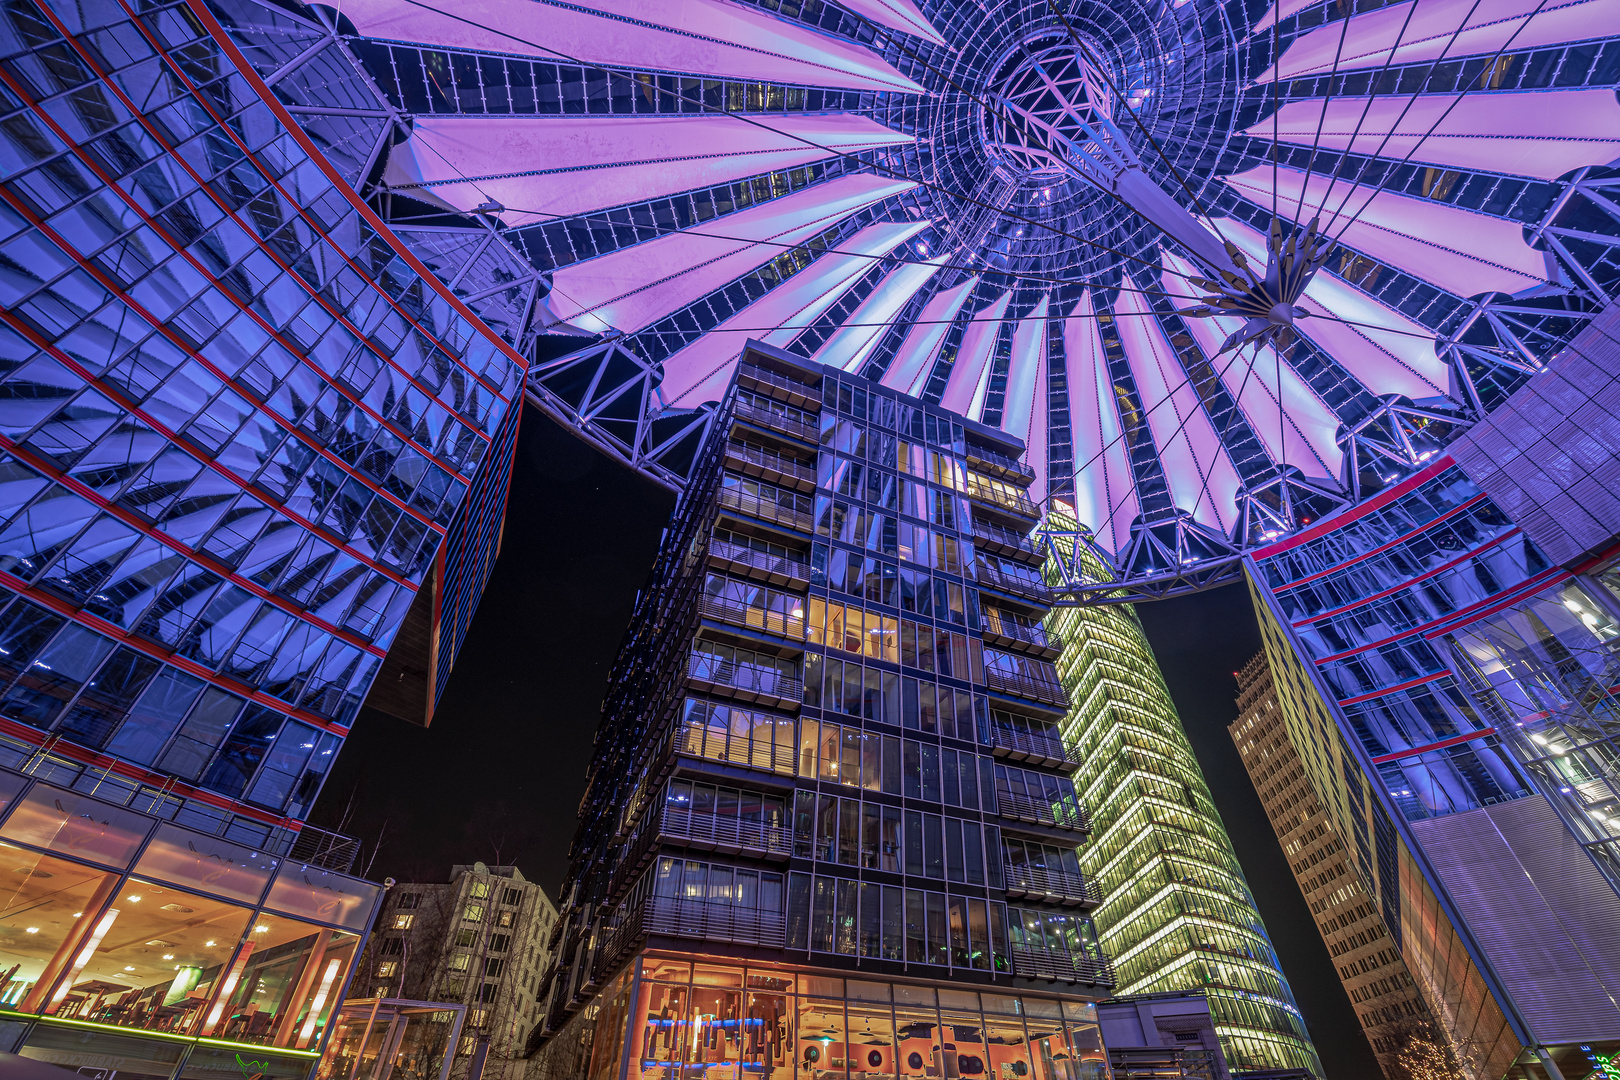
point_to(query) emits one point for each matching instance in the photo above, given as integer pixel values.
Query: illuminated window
(386, 969)
(403, 922)
(473, 913)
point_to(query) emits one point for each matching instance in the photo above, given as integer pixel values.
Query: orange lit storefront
(134, 945)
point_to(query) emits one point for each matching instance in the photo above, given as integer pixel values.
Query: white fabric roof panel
(636, 286)
(699, 372)
(698, 37)
(584, 163)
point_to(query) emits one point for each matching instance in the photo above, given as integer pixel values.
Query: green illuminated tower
(1176, 912)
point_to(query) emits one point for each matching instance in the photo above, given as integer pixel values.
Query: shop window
(282, 985)
(48, 909)
(156, 956)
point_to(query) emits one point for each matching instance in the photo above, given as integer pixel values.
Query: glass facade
(666, 1017)
(1365, 600)
(1176, 913)
(237, 415)
(1446, 687)
(833, 737)
(114, 922)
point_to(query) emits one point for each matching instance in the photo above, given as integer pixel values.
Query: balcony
(744, 682)
(711, 743)
(759, 565)
(769, 510)
(1056, 886)
(780, 387)
(1026, 688)
(737, 613)
(1015, 745)
(732, 835)
(1030, 638)
(1009, 467)
(1016, 503)
(1014, 545)
(1031, 589)
(673, 917)
(1010, 804)
(769, 465)
(788, 421)
(1062, 965)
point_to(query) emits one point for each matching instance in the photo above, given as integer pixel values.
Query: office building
(246, 433)
(1387, 1001)
(478, 940)
(1442, 663)
(1175, 913)
(830, 824)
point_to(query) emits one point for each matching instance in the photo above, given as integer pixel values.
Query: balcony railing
(757, 618)
(746, 502)
(1022, 686)
(1018, 503)
(746, 682)
(778, 569)
(1009, 466)
(1033, 635)
(1027, 746)
(1028, 588)
(993, 537)
(728, 834)
(1057, 885)
(773, 385)
(683, 918)
(1062, 965)
(755, 461)
(711, 743)
(798, 426)
(1020, 807)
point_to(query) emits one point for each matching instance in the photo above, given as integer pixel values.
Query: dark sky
(499, 774)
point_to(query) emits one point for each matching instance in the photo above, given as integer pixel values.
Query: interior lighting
(32, 930)
(315, 1006)
(85, 954)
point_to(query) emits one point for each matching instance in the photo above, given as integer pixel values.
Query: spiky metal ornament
(1267, 305)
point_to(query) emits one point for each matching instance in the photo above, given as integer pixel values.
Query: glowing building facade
(245, 431)
(830, 827)
(1387, 1002)
(1175, 912)
(1443, 657)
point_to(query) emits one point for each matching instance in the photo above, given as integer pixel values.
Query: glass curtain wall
(1176, 913)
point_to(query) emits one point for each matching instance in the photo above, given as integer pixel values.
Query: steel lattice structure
(1020, 210)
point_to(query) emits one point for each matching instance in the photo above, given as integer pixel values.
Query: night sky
(499, 774)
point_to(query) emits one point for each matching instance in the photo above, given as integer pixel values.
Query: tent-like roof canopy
(1007, 206)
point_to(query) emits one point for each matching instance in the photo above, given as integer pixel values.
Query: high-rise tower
(1176, 913)
(830, 825)
(1388, 1004)
(243, 423)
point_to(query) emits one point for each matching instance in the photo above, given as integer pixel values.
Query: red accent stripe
(143, 645)
(1337, 521)
(1455, 740)
(1384, 547)
(1409, 582)
(140, 115)
(1359, 698)
(113, 286)
(1484, 607)
(203, 559)
(73, 752)
(223, 39)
